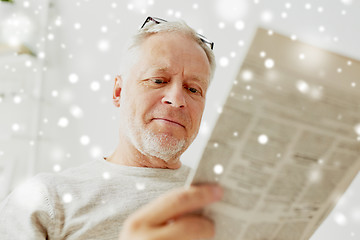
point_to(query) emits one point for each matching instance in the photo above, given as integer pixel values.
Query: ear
(117, 90)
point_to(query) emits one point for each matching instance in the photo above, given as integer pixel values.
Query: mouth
(168, 121)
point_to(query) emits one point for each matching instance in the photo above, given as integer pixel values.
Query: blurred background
(58, 60)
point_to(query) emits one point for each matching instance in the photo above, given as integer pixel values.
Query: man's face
(163, 98)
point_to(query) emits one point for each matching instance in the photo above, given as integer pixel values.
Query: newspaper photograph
(286, 145)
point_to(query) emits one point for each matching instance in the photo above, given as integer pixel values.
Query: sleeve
(26, 213)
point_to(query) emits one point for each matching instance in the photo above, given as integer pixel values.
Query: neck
(126, 154)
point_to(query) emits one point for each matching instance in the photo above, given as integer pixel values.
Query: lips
(169, 121)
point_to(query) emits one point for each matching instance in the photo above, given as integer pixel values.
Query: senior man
(160, 94)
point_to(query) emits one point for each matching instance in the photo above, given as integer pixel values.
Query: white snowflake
(218, 169)
(263, 139)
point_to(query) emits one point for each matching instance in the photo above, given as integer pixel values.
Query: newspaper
(283, 155)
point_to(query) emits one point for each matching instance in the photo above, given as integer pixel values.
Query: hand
(169, 216)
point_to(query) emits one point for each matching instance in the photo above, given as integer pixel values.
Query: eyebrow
(192, 77)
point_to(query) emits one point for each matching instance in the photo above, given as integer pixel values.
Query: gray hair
(151, 28)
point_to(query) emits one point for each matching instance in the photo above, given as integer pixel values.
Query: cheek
(196, 114)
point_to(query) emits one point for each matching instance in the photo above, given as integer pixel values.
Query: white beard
(160, 145)
(149, 143)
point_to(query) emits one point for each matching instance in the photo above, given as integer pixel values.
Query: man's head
(161, 93)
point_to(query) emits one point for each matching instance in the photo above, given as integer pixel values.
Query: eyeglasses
(159, 20)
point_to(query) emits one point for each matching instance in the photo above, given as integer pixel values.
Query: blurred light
(269, 63)
(106, 175)
(16, 29)
(178, 14)
(320, 9)
(216, 145)
(28, 63)
(347, 2)
(293, 37)
(316, 93)
(357, 129)
(17, 99)
(170, 12)
(224, 61)
(218, 169)
(76, 111)
(239, 25)
(67, 198)
(204, 130)
(321, 29)
(73, 78)
(103, 45)
(54, 93)
(56, 168)
(95, 86)
(301, 56)
(84, 140)
(221, 25)
(58, 21)
(263, 139)
(266, 16)
(262, 54)
(284, 15)
(77, 26)
(140, 186)
(41, 55)
(231, 10)
(340, 219)
(50, 36)
(104, 29)
(349, 63)
(28, 195)
(315, 175)
(195, 6)
(308, 6)
(15, 127)
(63, 122)
(95, 152)
(26, 4)
(287, 5)
(302, 86)
(247, 75)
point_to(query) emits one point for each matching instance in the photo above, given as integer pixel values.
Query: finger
(178, 202)
(188, 227)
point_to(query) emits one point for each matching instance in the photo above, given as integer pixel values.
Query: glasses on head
(159, 20)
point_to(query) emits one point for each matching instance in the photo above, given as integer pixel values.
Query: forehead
(174, 52)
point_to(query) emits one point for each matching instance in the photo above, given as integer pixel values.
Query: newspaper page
(286, 145)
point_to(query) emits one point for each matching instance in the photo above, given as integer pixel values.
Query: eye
(193, 90)
(158, 81)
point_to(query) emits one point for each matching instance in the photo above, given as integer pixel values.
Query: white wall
(86, 41)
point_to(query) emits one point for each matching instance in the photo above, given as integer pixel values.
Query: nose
(174, 96)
